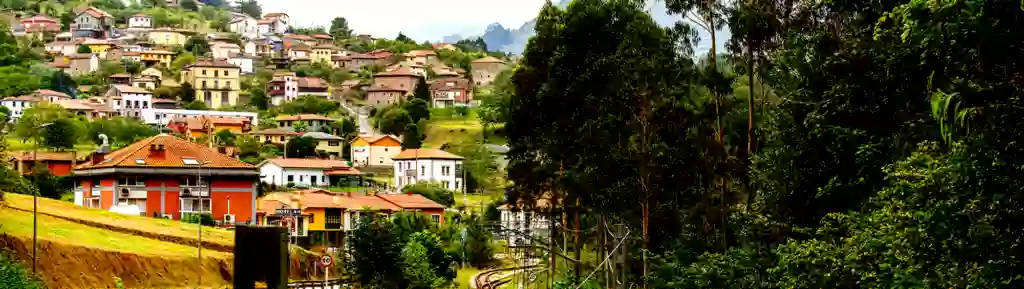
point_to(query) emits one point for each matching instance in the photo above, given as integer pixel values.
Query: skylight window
(140, 161)
(189, 161)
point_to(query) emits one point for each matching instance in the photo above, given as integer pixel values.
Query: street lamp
(35, 197)
(199, 221)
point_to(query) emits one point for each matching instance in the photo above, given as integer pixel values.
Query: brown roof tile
(425, 154)
(175, 151)
(199, 123)
(311, 82)
(45, 156)
(411, 201)
(400, 71)
(309, 163)
(130, 89)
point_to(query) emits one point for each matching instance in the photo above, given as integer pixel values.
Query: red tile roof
(411, 201)
(343, 172)
(312, 82)
(21, 98)
(425, 154)
(174, 154)
(308, 163)
(417, 53)
(297, 36)
(47, 92)
(322, 36)
(376, 138)
(275, 14)
(401, 71)
(93, 11)
(45, 156)
(325, 199)
(199, 123)
(212, 63)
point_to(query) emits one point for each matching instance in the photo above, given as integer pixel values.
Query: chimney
(349, 194)
(102, 151)
(409, 193)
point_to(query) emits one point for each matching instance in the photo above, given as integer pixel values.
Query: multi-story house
(83, 63)
(140, 20)
(297, 50)
(197, 127)
(268, 46)
(313, 86)
(361, 60)
(402, 77)
(58, 163)
(92, 22)
(304, 172)
(282, 87)
(486, 69)
(447, 92)
(245, 26)
(375, 151)
(216, 82)
(322, 39)
(130, 101)
(421, 57)
(165, 176)
(312, 122)
(280, 23)
(323, 52)
(277, 135)
(383, 96)
(428, 165)
(17, 105)
(325, 216)
(329, 144)
(41, 24)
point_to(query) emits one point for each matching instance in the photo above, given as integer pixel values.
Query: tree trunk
(551, 245)
(578, 242)
(602, 242)
(750, 120)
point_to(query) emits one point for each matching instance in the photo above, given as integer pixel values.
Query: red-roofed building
(165, 176)
(306, 172)
(41, 24)
(92, 22)
(58, 163)
(428, 165)
(416, 203)
(446, 92)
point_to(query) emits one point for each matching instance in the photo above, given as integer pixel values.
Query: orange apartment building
(165, 176)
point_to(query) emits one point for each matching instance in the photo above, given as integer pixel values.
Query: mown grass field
(154, 225)
(19, 223)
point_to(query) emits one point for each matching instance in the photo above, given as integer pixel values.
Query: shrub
(14, 275)
(432, 191)
(198, 218)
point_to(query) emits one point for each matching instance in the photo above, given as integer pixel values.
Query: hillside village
(204, 112)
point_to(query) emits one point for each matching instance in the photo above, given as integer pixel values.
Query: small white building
(245, 62)
(519, 225)
(17, 105)
(222, 49)
(131, 101)
(163, 116)
(245, 26)
(284, 86)
(302, 172)
(140, 20)
(428, 165)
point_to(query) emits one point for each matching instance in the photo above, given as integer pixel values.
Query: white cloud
(420, 19)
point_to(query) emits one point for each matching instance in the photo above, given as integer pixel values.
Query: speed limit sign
(326, 261)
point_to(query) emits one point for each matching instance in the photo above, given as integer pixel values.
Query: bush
(14, 275)
(432, 191)
(198, 218)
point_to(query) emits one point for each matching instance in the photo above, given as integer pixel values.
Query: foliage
(258, 98)
(477, 245)
(472, 44)
(28, 126)
(14, 275)
(480, 168)
(121, 131)
(339, 28)
(393, 120)
(374, 251)
(188, 93)
(418, 109)
(197, 45)
(411, 137)
(433, 191)
(309, 104)
(249, 149)
(250, 7)
(189, 5)
(16, 81)
(226, 138)
(61, 134)
(49, 185)
(204, 219)
(83, 49)
(301, 147)
(402, 38)
(422, 90)
(196, 105)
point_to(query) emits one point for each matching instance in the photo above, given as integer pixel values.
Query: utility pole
(35, 198)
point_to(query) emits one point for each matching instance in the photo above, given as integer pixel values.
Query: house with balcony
(306, 172)
(313, 86)
(375, 151)
(91, 22)
(282, 87)
(323, 52)
(168, 36)
(168, 177)
(327, 216)
(277, 135)
(428, 165)
(450, 91)
(222, 49)
(277, 22)
(216, 82)
(41, 24)
(245, 26)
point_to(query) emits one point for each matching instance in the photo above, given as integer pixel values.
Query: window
(204, 84)
(226, 74)
(216, 84)
(224, 98)
(445, 184)
(192, 181)
(291, 178)
(332, 218)
(216, 73)
(312, 180)
(203, 71)
(130, 181)
(195, 205)
(423, 171)
(333, 143)
(189, 161)
(436, 218)
(227, 83)
(282, 138)
(446, 171)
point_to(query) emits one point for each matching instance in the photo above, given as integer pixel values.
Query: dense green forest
(834, 144)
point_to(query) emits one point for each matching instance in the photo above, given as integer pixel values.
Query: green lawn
(153, 225)
(19, 223)
(477, 202)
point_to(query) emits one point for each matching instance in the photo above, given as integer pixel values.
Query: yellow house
(151, 57)
(375, 150)
(324, 216)
(277, 135)
(215, 82)
(198, 126)
(167, 36)
(99, 46)
(325, 142)
(323, 53)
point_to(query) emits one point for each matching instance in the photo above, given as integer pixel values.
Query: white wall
(141, 103)
(140, 22)
(273, 174)
(162, 116)
(244, 63)
(17, 108)
(430, 170)
(360, 155)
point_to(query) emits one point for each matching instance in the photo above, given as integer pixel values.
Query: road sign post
(326, 261)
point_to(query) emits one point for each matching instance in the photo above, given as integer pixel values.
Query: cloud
(429, 20)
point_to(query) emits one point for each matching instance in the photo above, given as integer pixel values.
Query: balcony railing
(194, 191)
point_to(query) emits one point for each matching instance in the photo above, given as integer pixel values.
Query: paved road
(362, 118)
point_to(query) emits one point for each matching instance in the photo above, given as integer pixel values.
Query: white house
(302, 172)
(242, 61)
(282, 19)
(161, 116)
(428, 165)
(283, 87)
(519, 225)
(131, 101)
(17, 105)
(245, 26)
(222, 49)
(140, 20)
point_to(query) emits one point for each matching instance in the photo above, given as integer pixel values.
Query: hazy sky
(422, 20)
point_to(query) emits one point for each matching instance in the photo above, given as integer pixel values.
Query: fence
(330, 284)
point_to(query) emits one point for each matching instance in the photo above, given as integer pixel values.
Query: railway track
(494, 278)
